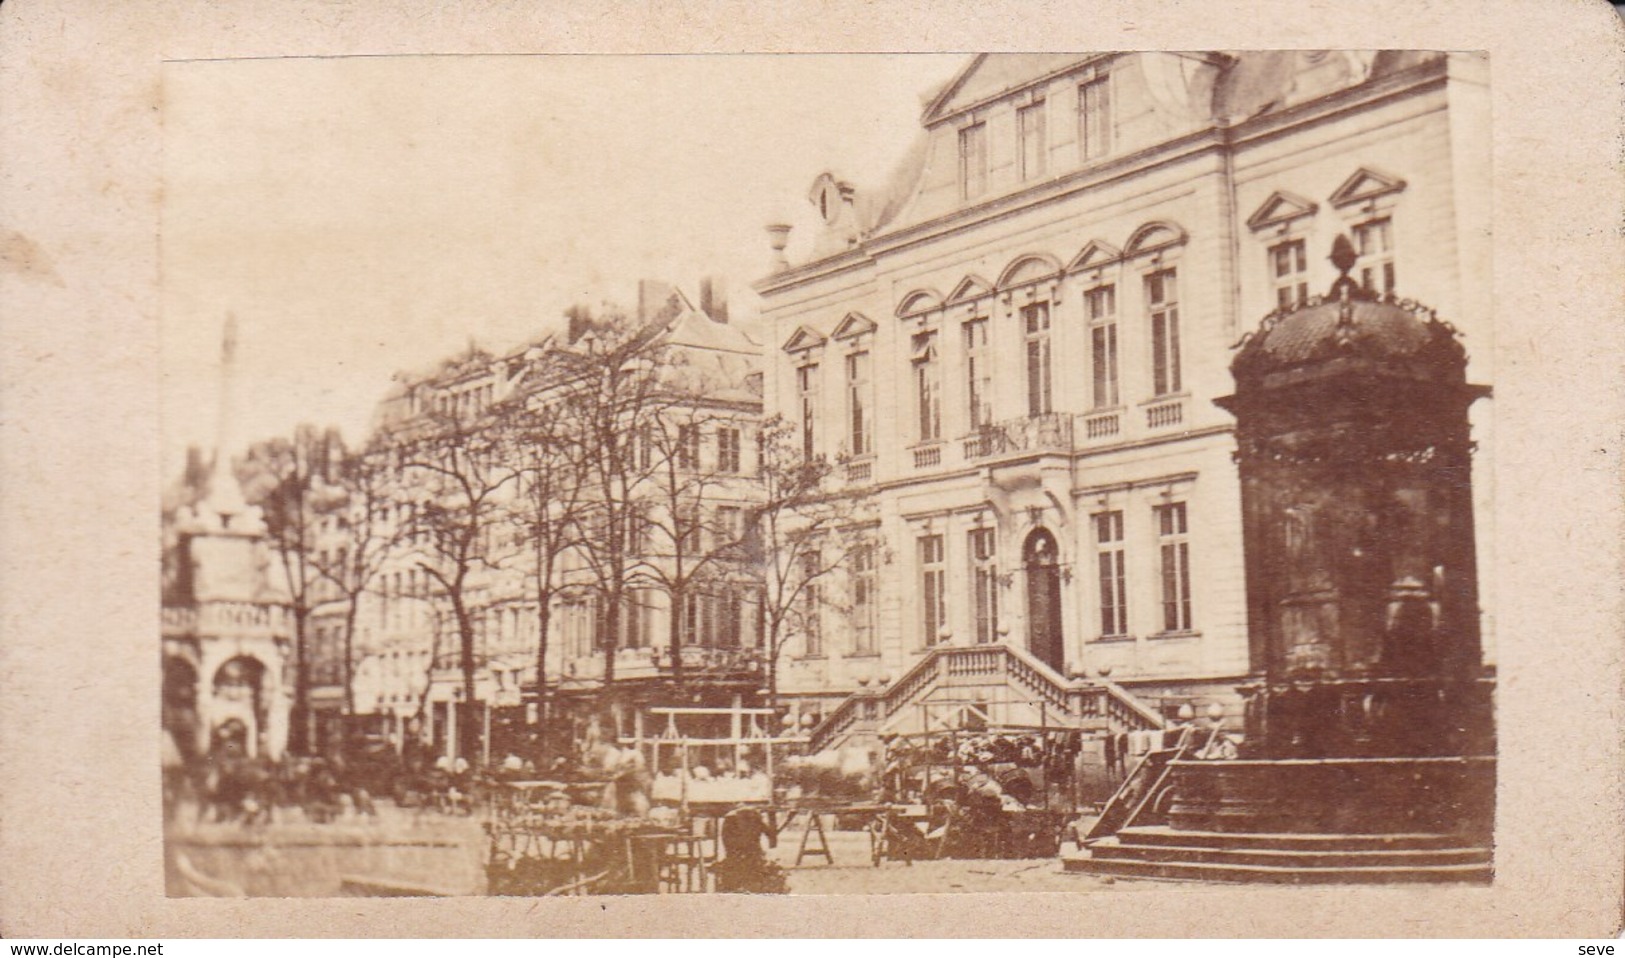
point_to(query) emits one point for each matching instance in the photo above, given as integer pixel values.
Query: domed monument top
(1350, 330)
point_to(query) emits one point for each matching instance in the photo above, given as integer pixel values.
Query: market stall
(987, 791)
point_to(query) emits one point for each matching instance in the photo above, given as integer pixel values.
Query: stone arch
(918, 301)
(240, 695)
(1154, 236)
(1029, 268)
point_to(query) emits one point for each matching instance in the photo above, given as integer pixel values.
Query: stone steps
(1164, 853)
(1164, 835)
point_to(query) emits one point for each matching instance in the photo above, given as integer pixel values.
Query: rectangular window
(1374, 241)
(927, 387)
(807, 387)
(978, 374)
(688, 531)
(728, 449)
(693, 623)
(985, 583)
(578, 620)
(973, 161)
(860, 434)
(730, 526)
(1101, 306)
(1094, 119)
(634, 534)
(812, 626)
(1035, 321)
(1176, 567)
(1030, 123)
(731, 613)
(688, 446)
(1110, 567)
(863, 600)
(933, 589)
(1162, 302)
(646, 446)
(1289, 274)
(634, 619)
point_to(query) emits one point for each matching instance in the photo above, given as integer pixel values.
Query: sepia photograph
(1126, 472)
(814, 474)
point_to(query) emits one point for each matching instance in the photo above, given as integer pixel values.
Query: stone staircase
(1294, 821)
(1010, 680)
(1160, 851)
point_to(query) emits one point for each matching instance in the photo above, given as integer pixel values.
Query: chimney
(579, 321)
(849, 212)
(778, 237)
(714, 298)
(653, 294)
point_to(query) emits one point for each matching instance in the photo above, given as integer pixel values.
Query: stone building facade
(1016, 346)
(407, 669)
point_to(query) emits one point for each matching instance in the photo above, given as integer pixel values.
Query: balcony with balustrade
(1046, 434)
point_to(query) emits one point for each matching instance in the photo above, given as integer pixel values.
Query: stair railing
(1122, 709)
(1139, 789)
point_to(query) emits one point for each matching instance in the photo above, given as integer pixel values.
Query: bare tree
(692, 454)
(289, 479)
(361, 543)
(802, 533)
(453, 478)
(543, 443)
(610, 392)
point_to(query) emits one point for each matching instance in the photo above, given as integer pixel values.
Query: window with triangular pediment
(970, 288)
(1094, 255)
(852, 326)
(1280, 209)
(802, 340)
(1364, 186)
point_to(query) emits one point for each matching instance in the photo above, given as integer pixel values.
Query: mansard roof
(987, 77)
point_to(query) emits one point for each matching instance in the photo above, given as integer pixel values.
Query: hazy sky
(361, 216)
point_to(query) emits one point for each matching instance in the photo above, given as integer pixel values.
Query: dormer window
(973, 161)
(1094, 118)
(1030, 124)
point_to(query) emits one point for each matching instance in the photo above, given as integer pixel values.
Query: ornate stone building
(1015, 347)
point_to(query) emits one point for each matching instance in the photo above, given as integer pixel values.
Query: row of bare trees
(617, 465)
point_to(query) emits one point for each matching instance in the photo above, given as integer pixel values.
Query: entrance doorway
(1044, 636)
